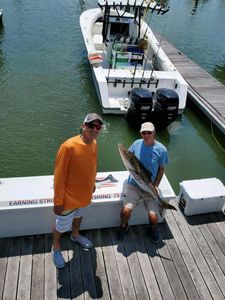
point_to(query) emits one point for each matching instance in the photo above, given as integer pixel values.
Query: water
(46, 88)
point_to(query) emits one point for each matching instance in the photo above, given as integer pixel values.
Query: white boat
(132, 74)
(26, 204)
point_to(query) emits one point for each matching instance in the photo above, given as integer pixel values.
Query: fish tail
(166, 205)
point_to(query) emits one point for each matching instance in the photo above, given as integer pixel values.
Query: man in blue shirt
(153, 155)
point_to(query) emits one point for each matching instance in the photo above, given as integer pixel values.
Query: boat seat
(98, 41)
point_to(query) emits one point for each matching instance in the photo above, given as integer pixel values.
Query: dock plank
(219, 219)
(219, 237)
(12, 272)
(76, 281)
(112, 272)
(163, 281)
(4, 249)
(50, 284)
(135, 269)
(24, 283)
(147, 270)
(123, 268)
(102, 287)
(182, 270)
(174, 279)
(88, 272)
(38, 270)
(63, 287)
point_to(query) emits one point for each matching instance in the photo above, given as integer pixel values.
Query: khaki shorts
(132, 196)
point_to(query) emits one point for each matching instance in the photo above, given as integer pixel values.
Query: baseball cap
(92, 117)
(147, 126)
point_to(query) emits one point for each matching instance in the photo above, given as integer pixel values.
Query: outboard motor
(165, 107)
(140, 107)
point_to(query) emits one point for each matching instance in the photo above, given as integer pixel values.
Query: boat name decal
(106, 196)
(30, 201)
(50, 200)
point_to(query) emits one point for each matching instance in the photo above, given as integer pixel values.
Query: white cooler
(201, 196)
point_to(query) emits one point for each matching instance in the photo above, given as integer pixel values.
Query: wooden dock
(188, 263)
(207, 93)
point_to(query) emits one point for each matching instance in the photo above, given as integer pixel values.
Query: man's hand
(58, 210)
(157, 188)
(153, 187)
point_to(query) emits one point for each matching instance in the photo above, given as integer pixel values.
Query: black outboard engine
(165, 107)
(140, 107)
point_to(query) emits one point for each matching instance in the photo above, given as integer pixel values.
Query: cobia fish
(142, 177)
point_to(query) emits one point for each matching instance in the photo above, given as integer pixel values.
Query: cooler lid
(203, 188)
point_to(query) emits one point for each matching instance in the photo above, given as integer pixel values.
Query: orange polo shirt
(75, 173)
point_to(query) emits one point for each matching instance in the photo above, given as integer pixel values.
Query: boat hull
(26, 211)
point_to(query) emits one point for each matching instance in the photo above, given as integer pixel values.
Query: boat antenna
(155, 57)
(149, 20)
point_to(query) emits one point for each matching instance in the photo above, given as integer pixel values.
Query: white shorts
(132, 196)
(63, 223)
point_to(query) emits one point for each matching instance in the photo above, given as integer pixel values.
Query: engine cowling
(140, 108)
(165, 108)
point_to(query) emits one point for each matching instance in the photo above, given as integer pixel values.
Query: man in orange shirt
(74, 183)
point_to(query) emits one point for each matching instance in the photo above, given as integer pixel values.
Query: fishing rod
(146, 61)
(139, 31)
(144, 35)
(132, 82)
(153, 9)
(155, 57)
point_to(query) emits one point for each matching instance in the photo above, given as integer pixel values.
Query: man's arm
(58, 210)
(159, 176)
(60, 174)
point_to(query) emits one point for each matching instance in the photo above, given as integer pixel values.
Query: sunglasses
(146, 132)
(93, 125)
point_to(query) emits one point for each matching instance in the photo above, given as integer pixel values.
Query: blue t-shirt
(152, 157)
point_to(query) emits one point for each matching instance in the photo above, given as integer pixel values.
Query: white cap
(147, 126)
(92, 117)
